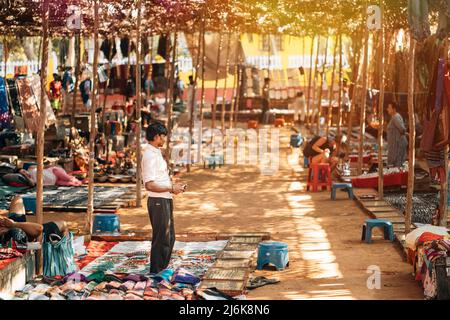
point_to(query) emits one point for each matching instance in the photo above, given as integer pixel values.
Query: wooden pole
(308, 102)
(5, 53)
(41, 129)
(324, 76)
(354, 96)
(362, 123)
(225, 89)
(239, 83)
(202, 102)
(235, 84)
(216, 87)
(106, 91)
(150, 72)
(412, 136)
(339, 125)
(90, 206)
(138, 108)
(331, 93)
(77, 77)
(381, 116)
(444, 184)
(194, 92)
(171, 84)
(316, 67)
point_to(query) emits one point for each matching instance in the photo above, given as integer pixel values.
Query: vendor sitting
(15, 224)
(325, 150)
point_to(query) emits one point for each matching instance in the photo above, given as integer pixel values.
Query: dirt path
(327, 258)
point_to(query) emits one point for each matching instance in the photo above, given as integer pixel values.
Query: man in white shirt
(160, 190)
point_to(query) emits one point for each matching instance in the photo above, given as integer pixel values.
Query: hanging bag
(58, 255)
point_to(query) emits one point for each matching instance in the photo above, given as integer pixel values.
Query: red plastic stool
(324, 170)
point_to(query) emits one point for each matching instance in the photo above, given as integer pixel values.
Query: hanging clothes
(107, 50)
(50, 117)
(124, 43)
(5, 114)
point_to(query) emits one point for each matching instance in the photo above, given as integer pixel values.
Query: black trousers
(160, 211)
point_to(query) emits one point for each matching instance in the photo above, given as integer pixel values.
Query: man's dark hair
(155, 129)
(393, 104)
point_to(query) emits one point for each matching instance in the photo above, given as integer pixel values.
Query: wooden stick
(235, 84)
(90, 206)
(5, 52)
(354, 96)
(216, 87)
(227, 64)
(362, 123)
(194, 92)
(339, 126)
(239, 84)
(308, 104)
(331, 93)
(202, 102)
(138, 108)
(41, 130)
(77, 77)
(381, 117)
(324, 76)
(412, 136)
(316, 67)
(171, 85)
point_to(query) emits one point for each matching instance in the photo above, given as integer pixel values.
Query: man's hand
(6, 223)
(177, 188)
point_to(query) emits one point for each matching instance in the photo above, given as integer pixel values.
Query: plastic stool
(344, 186)
(305, 162)
(275, 253)
(372, 223)
(319, 176)
(106, 223)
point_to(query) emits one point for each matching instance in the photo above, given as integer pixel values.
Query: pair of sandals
(260, 282)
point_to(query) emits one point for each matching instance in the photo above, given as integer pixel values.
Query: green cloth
(97, 276)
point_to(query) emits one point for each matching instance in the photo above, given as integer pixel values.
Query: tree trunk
(41, 131)
(381, 117)
(235, 84)
(308, 105)
(339, 125)
(214, 106)
(90, 206)
(323, 78)
(77, 77)
(224, 99)
(331, 93)
(412, 137)
(316, 66)
(171, 85)
(362, 123)
(138, 108)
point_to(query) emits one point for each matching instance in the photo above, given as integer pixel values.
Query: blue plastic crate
(106, 223)
(29, 203)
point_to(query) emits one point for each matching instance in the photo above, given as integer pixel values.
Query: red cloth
(4, 263)
(427, 237)
(95, 249)
(395, 179)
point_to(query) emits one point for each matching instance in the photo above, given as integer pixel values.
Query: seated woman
(16, 221)
(324, 150)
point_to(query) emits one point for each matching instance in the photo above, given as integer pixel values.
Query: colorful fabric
(5, 115)
(58, 257)
(9, 253)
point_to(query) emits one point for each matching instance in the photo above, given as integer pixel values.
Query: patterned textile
(5, 115)
(9, 253)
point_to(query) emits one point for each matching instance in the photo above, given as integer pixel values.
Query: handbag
(58, 255)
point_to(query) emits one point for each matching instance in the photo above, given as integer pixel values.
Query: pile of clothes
(428, 246)
(167, 285)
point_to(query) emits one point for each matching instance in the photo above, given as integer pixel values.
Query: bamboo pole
(235, 84)
(239, 83)
(339, 125)
(41, 129)
(412, 137)
(362, 123)
(354, 96)
(381, 116)
(444, 184)
(171, 85)
(167, 72)
(216, 87)
(308, 104)
(138, 108)
(324, 75)
(90, 206)
(316, 67)
(194, 92)
(77, 77)
(331, 93)
(202, 102)
(225, 89)
(5, 53)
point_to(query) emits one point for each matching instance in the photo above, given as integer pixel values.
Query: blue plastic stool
(344, 186)
(29, 203)
(372, 223)
(106, 223)
(275, 253)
